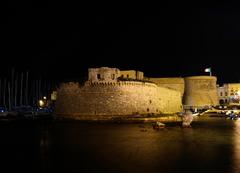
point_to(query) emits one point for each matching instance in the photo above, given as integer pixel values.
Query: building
(229, 93)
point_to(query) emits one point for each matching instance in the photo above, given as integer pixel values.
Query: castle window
(127, 75)
(113, 76)
(220, 93)
(150, 101)
(98, 76)
(225, 93)
(147, 109)
(122, 75)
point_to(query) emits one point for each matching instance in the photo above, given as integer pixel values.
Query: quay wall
(116, 99)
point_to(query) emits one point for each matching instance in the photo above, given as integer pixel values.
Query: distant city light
(41, 103)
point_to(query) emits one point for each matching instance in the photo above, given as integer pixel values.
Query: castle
(110, 92)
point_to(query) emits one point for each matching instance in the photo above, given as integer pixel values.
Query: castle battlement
(120, 83)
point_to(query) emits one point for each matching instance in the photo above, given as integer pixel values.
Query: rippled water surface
(211, 145)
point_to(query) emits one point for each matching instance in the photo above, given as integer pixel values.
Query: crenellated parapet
(120, 83)
(116, 99)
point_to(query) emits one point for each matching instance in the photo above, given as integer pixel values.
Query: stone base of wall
(122, 119)
(119, 98)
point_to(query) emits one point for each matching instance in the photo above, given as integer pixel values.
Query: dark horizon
(63, 44)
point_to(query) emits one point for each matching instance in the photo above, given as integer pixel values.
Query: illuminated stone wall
(171, 83)
(116, 98)
(105, 74)
(200, 91)
(132, 74)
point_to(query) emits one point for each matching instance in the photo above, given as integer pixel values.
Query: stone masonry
(107, 94)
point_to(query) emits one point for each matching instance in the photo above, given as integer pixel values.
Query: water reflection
(209, 146)
(236, 139)
(206, 147)
(44, 146)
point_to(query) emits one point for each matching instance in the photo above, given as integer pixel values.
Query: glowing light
(41, 103)
(236, 142)
(207, 70)
(44, 97)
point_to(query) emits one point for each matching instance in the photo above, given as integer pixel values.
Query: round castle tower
(200, 91)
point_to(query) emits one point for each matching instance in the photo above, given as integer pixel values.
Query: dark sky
(61, 43)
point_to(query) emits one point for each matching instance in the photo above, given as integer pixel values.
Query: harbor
(82, 92)
(211, 144)
(24, 96)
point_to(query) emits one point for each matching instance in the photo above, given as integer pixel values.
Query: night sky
(62, 43)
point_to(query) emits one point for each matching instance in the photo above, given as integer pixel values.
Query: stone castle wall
(116, 98)
(200, 91)
(171, 83)
(103, 74)
(132, 74)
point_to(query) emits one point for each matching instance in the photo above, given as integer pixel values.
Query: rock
(187, 119)
(158, 125)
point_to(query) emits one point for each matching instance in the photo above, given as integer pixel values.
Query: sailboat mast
(33, 93)
(37, 95)
(12, 85)
(0, 91)
(21, 90)
(40, 88)
(4, 92)
(16, 90)
(9, 97)
(26, 89)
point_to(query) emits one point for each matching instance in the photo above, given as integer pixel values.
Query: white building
(229, 93)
